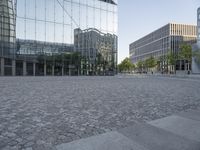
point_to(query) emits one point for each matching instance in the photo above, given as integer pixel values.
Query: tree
(126, 65)
(186, 54)
(140, 65)
(171, 60)
(150, 62)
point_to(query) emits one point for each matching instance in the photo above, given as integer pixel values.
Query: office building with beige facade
(160, 42)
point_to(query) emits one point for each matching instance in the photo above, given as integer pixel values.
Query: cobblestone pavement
(39, 113)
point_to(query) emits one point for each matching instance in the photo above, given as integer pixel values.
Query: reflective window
(7, 27)
(88, 26)
(49, 16)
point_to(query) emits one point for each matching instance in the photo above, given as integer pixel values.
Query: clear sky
(137, 18)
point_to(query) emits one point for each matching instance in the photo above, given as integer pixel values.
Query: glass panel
(97, 4)
(67, 13)
(67, 34)
(30, 29)
(83, 17)
(97, 19)
(110, 22)
(40, 34)
(59, 11)
(103, 20)
(40, 9)
(103, 5)
(30, 9)
(90, 3)
(58, 33)
(50, 10)
(50, 32)
(110, 7)
(75, 16)
(84, 2)
(21, 8)
(90, 17)
(75, 1)
(115, 25)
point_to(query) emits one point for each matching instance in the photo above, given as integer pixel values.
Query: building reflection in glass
(45, 28)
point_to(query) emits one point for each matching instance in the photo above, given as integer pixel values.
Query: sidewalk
(192, 76)
(195, 76)
(177, 132)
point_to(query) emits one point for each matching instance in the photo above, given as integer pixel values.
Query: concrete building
(37, 36)
(196, 47)
(160, 42)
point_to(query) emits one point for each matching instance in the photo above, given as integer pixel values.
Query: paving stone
(185, 127)
(156, 139)
(58, 110)
(107, 141)
(191, 114)
(29, 148)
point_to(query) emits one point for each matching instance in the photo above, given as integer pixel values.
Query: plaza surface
(42, 112)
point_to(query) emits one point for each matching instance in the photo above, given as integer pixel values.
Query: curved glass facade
(55, 20)
(7, 29)
(46, 40)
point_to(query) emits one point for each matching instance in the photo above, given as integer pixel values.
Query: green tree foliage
(140, 65)
(150, 62)
(171, 61)
(171, 58)
(186, 52)
(126, 65)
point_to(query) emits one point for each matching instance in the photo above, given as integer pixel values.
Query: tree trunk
(184, 65)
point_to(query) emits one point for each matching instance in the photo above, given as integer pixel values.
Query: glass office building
(161, 42)
(45, 29)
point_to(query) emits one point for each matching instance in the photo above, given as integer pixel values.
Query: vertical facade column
(52, 70)
(2, 66)
(34, 69)
(69, 71)
(24, 68)
(78, 72)
(62, 70)
(45, 68)
(13, 67)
